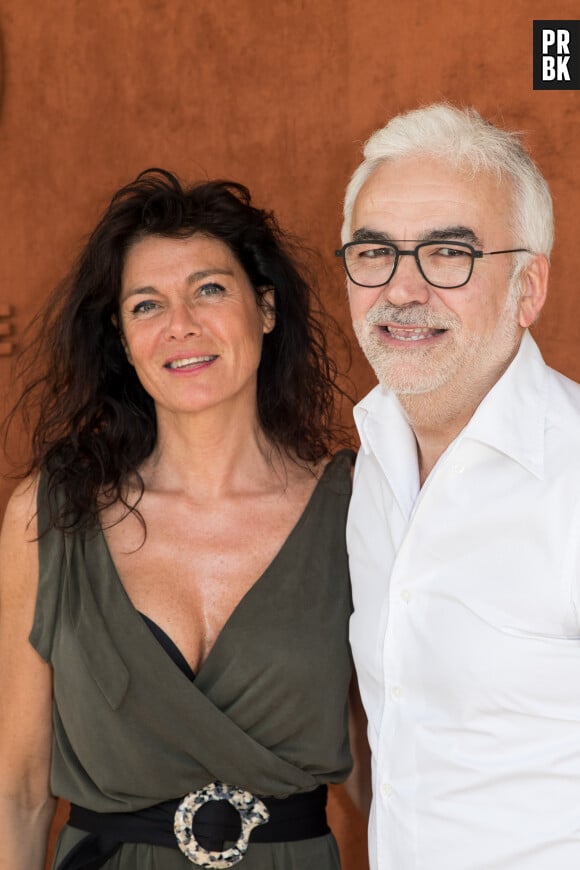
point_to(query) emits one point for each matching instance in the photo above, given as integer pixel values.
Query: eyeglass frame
(474, 254)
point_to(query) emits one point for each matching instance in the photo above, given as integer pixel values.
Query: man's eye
(211, 289)
(375, 253)
(451, 253)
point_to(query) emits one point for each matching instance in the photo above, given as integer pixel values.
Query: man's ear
(267, 303)
(534, 288)
(121, 334)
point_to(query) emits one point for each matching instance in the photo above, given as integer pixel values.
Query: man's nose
(407, 285)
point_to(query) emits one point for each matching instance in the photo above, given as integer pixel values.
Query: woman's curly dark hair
(93, 424)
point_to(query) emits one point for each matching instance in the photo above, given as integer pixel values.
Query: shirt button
(396, 692)
(458, 468)
(406, 595)
(387, 789)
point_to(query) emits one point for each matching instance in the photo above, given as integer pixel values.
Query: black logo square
(556, 55)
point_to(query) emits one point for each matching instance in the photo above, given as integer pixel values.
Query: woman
(173, 590)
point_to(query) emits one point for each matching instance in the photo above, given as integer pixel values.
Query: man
(464, 526)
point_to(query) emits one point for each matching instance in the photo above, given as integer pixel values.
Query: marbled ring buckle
(252, 810)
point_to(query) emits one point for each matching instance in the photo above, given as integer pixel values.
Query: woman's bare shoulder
(19, 549)
(21, 507)
(20, 514)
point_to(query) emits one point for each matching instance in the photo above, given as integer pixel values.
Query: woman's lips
(189, 362)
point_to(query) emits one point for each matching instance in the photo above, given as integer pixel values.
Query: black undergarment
(170, 648)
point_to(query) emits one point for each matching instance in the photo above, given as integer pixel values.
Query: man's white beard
(413, 371)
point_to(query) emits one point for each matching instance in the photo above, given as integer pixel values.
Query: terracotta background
(276, 93)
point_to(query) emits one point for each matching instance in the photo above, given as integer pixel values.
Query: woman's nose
(183, 321)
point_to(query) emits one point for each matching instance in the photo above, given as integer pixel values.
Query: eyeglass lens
(444, 265)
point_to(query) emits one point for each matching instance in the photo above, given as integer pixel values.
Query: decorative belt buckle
(252, 810)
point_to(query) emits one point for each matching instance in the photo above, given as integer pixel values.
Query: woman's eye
(144, 307)
(211, 289)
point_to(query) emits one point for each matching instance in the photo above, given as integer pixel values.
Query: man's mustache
(414, 315)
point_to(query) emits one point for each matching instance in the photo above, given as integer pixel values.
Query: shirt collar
(511, 419)
(385, 432)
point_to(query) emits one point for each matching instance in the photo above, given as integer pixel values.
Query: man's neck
(437, 417)
(435, 425)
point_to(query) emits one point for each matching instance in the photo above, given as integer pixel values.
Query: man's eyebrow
(191, 279)
(366, 235)
(457, 233)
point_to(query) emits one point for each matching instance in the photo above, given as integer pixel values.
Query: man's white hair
(465, 140)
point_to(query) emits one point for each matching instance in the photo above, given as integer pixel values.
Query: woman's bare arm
(26, 803)
(358, 784)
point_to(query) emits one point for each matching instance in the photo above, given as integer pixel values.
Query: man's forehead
(434, 175)
(425, 195)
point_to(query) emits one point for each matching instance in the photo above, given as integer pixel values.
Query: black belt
(298, 817)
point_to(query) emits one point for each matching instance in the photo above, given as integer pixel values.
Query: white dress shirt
(466, 631)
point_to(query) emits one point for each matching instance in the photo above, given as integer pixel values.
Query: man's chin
(406, 383)
(410, 373)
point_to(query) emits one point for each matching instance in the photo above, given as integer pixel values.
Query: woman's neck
(209, 454)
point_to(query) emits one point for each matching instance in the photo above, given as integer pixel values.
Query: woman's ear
(267, 303)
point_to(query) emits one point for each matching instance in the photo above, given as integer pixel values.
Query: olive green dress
(267, 710)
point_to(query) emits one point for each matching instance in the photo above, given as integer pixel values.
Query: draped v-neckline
(268, 709)
(136, 615)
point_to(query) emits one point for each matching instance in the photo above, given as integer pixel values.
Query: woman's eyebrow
(205, 273)
(148, 290)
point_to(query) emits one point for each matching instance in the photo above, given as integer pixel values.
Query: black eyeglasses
(443, 264)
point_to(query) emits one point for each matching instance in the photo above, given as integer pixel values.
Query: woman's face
(192, 324)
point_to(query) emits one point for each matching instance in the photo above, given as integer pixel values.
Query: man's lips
(410, 333)
(189, 362)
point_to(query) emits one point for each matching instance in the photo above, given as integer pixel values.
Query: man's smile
(409, 333)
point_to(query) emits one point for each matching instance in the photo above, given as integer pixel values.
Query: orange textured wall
(276, 93)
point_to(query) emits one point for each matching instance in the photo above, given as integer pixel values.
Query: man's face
(419, 338)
